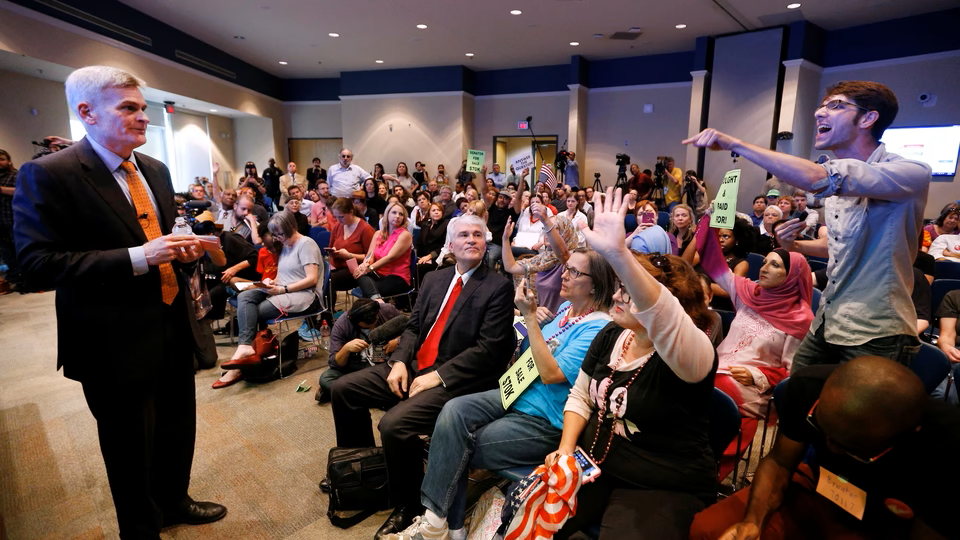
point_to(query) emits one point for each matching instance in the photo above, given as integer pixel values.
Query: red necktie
(427, 354)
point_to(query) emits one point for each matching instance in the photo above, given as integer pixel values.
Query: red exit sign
(522, 124)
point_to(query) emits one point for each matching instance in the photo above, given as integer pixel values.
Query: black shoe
(322, 396)
(325, 485)
(195, 513)
(399, 520)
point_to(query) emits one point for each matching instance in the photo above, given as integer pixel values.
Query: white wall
(318, 120)
(908, 77)
(498, 115)
(254, 142)
(192, 149)
(615, 116)
(19, 95)
(409, 128)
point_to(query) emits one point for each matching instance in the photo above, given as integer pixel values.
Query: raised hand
(508, 231)
(524, 299)
(788, 231)
(608, 231)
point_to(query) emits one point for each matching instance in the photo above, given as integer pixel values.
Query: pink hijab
(786, 306)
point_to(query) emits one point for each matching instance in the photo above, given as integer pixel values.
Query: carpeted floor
(261, 450)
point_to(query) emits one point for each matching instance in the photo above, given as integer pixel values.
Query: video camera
(623, 160)
(48, 146)
(560, 163)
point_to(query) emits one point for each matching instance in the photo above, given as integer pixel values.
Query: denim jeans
(253, 307)
(815, 350)
(494, 253)
(475, 431)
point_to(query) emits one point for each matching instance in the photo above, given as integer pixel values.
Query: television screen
(936, 146)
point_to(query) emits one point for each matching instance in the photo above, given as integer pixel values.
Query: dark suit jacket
(478, 339)
(73, 227)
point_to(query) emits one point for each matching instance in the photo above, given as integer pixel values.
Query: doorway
(302, 152)
(508, 148)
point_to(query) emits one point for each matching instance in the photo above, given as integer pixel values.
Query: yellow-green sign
(725, 205)
(517, 378)
(475, 160)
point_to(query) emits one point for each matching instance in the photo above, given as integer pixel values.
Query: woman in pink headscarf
(773, 316)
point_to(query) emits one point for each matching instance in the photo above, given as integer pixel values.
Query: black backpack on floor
(357, 480)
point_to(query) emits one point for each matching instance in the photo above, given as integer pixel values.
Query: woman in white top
(402, 178)
(578, 218)
(529, 237)
(441, 176)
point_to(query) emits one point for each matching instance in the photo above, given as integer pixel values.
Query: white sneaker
(421, 530)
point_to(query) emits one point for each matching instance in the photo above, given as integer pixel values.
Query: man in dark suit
(458, 341)
(89, 220)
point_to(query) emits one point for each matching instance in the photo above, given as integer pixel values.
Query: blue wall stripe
(404, 81)
(650, 69)
(910, 36)
(522, 80)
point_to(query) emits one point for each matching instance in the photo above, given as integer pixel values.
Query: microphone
(391, 329)
(198, 205)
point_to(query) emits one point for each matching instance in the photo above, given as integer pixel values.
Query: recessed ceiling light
(793, 6)
(422, 26)
(574, 43)
(213, 110)
(681, 26)
(333, 34)
(634, 30)
(470, 54)
(378, 61)
(282, 63)
(515, 12)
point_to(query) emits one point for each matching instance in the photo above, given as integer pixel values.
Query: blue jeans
(494, 253)
(253, 307)
(815, 350)
(475, 431)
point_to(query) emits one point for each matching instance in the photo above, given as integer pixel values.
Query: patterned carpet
(261, 450)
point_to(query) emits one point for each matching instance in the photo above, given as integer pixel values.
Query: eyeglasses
(345, 156)
(812, 420)
(574, 273)
(624, 295)
(839, 104)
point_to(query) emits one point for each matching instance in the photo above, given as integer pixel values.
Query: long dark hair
(683, 282)
(247, 167)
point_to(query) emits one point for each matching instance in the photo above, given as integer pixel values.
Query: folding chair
(755, 260)
(413, 282)
(284, 321)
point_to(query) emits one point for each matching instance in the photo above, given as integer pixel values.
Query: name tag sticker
(518, 377)
(842, 493)
(520, 328)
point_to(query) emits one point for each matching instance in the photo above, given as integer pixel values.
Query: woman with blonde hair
(386, 269)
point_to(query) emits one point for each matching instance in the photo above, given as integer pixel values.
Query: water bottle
(180, 226)
(324, 335)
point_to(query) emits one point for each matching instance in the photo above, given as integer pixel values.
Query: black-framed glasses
(345, 157)
(839, 104)
(812, 420)
(574, 273)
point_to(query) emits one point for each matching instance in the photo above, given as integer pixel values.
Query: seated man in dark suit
(458, 341)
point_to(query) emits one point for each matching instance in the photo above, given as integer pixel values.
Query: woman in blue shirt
(475, 430)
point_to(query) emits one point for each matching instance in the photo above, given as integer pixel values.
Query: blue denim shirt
(873, 212)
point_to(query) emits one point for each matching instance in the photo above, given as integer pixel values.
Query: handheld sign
(842, 493)
(725, 205)
(475, 160)
(523, 162)
(517, 378)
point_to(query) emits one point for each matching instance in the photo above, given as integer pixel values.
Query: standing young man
(874, 210)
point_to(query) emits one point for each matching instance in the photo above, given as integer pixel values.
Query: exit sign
(522, 124)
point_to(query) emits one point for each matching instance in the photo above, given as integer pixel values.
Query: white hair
(464, 220)
(88, 83)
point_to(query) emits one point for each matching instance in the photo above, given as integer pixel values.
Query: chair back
(321, 236)
(630, 222)
(939, 289)
(755, 260)
(663, 219)
(931, 365)
(724, 422)
(816, 265)
(946, 270)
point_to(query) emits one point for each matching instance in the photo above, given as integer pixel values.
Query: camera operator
(50, 145)
(695, 194)
(641, 182)
(253, 181)
(674, 177)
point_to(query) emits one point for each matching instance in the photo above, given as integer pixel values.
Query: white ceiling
(296, 31)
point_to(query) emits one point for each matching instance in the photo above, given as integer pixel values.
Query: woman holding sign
(640, 405)
(479, 431)
(773, 316)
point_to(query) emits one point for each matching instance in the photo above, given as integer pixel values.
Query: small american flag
(547, 177)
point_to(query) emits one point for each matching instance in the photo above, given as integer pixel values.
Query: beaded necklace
(602, 409)
(552, 342)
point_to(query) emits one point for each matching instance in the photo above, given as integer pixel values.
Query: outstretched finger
(608, 201)
(624, 202)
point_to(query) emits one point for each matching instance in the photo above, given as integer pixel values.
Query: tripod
(597, 184)
(621, 178)
(657, 197)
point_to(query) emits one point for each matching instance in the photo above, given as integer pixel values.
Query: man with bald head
(882, 456)
(344, 178)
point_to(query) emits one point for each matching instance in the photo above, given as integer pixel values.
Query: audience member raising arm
(655, 362)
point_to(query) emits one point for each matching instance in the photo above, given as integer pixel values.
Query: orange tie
(427, 354)
(151, 227)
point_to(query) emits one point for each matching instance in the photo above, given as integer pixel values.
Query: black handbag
(357, 482)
